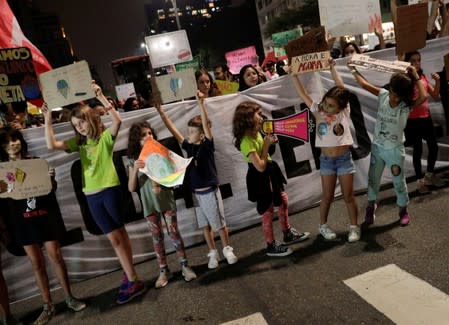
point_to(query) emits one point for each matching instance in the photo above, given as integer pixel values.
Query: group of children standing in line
(265, 181)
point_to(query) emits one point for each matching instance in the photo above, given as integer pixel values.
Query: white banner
(278, 98)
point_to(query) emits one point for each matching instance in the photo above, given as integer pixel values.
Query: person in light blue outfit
(387, 148)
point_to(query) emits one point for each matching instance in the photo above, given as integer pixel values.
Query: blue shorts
(339, 165)
(106, 209)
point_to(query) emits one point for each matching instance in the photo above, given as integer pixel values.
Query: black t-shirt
(202, 170)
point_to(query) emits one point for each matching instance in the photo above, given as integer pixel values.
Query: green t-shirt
(98, 169)
(251, 144)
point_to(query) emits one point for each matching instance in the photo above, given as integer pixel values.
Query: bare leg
(328, 189)
(54, 253)
(209, 237)
(347, 188)
(120, 242)
(37, 260)
(224, 236)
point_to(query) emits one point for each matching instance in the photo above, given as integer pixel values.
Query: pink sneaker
(404, 219)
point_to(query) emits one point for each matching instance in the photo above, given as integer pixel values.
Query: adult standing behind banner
(249, 77)
(420, 127)
(101, 184)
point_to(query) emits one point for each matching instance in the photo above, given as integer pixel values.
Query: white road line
(402, 297)
(254, 319)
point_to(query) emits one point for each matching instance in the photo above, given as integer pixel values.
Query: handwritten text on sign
(311, 62)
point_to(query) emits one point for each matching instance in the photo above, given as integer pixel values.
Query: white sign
(368, 63)
(349, 17)
(67, 85)
(168, 48)
(177, 86)
(125, 91)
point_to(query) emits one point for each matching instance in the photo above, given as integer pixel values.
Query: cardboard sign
(366, 62)
(294, 126)
(177, 86)
(193, 64)
(313, 41)
(22, 179)
(125, 91)
(18, 81)
(162, 165)
(411, 27)
(168, 48)
(227, 87)
(349, 17)
(67, 85)
(282, 38)
(241, 57)
(311, 62)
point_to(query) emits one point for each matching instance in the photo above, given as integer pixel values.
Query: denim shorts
(339, 165)
(106, 208)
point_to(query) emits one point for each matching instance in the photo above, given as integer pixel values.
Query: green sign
(282, 38)
(279, 51)
(193, 64)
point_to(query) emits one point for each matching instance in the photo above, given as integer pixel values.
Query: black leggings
(419, 129)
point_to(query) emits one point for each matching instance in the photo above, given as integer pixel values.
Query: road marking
(401, 296)
(254, 319)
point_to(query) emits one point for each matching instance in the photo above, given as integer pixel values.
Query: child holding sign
(37, 222)
(333, 136)
(95, 143)
(388, 143)
(157, 201)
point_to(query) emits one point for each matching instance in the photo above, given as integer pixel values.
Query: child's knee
(396, 170)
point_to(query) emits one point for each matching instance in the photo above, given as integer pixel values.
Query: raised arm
(50, 137)
(434, 91)
(115, 116)
(302, 92)
(169, 124)
(422, 93)
(335, 75)
(204, 117)
(363, 82)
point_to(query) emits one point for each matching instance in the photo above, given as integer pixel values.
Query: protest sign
(177, 86)
(162, 165)
(279, 52)
(366, 62)
(18, 81)
(125, 91)
(349, 17)
(227, 87)
(238, 58)
(193, 64)
(311, 62)
(282, 38)
(21, 179)
(67, 85)
(411, 27)
(312, 41)
(168, 48)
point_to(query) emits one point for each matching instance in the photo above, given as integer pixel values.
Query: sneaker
(422, 187)
(433, 180)
(123, 284)
(135, 288)
(164, 276)
(278, 249)
(75, 304)
(187, 273)
(213, 259)
(228, 253)
(354, 233)
(327, 232)
(293, 236)
(404, 218)
(47, 313)
(370, 216)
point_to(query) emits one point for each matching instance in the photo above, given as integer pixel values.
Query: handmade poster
(279, 52)
(238, 58)
(125, 91)
(18, 81)
(310, 62)
(67, 85)
(162, 165)
(26, 178)
(282, 38)
(193, 64)
(366, 62)
(227, 87)
(312, 41)
(168, 48)
(294, 126)
(177, 86)
(411, 27)
(349, 17)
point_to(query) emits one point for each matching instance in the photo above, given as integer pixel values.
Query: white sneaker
(327, 232)
(229, 255)
(213, 259)
(354, 233)
(187, 273)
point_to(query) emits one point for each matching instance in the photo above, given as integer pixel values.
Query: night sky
(100, 31)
